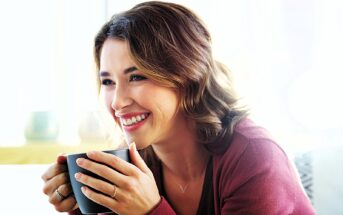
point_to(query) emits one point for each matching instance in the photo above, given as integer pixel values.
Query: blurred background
(285, 56)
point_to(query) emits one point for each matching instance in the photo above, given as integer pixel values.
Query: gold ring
(59, 195)
(114, 191)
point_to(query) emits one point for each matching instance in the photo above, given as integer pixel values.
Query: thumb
(136, 159)
(61, 159)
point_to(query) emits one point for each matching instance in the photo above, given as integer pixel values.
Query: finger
(65, 189)
(97, 184)
(66, 205)
(56, 197)
(53, 170)
(102, 170)
(137, 160)
(51, 185)
(100, 199)
(113, 161)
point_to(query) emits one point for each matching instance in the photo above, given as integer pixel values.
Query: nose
(121, 98)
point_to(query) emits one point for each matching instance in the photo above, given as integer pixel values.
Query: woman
(199, 153)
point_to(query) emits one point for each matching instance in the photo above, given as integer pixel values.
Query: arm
(75, 212)
(162, 208)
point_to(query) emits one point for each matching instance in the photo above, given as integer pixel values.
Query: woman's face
(146, 111)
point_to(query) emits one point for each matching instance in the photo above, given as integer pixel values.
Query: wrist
(155, 205)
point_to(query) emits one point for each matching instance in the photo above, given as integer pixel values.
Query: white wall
(21, 189)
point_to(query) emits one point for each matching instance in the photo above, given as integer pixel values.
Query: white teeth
(138, 118)
(133, 120)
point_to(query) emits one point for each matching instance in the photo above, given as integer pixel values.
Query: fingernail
(84, 189)
(77, 175)
(133, 145)
(90, 153)
(80, 161)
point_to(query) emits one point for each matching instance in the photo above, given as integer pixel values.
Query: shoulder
(255, 171)
(250, 145)
(253, 162)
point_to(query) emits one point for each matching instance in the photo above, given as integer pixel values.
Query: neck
(185, 159)
(181, 154)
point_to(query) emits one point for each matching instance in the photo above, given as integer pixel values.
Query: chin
(139, 143)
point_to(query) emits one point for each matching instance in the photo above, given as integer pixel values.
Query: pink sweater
(253, 176)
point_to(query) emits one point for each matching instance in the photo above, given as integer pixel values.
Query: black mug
(86, 205)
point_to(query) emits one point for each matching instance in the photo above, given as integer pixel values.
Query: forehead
(115, 54)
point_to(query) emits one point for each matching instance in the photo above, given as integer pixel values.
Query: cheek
(106, 99)
(168, 104)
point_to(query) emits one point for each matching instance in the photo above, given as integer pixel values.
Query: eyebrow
(126, 71)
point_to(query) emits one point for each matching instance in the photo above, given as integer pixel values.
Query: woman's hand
(131, 188)
(57, 186)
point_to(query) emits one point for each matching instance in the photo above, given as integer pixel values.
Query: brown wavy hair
(171, 45)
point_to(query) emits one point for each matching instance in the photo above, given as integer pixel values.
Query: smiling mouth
(134, 119)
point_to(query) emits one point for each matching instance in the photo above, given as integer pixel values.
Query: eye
(134, 77)
(107, 82)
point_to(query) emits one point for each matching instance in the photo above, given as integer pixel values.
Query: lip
(135, 126)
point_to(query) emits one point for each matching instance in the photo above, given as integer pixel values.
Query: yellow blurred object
(41, 153)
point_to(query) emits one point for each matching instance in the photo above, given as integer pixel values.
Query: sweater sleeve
(75, 212)
(163, 208)
(262, 180)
